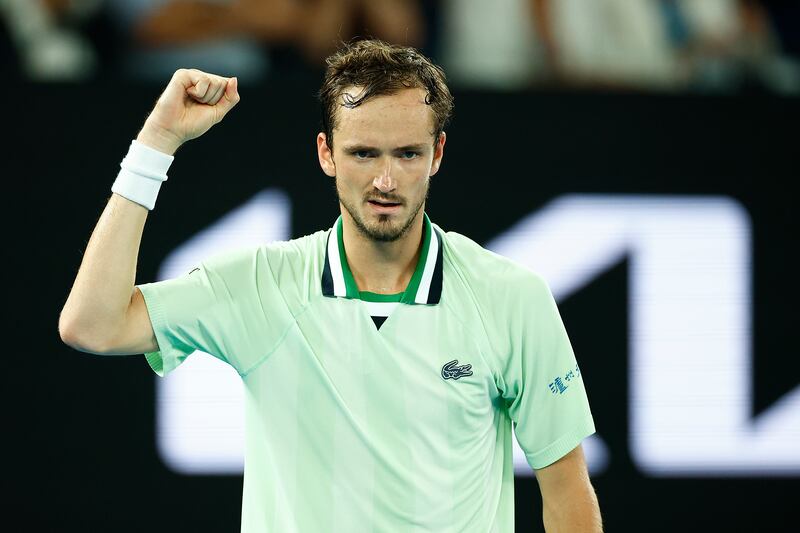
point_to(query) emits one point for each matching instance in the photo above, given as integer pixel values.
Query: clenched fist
(192, 102)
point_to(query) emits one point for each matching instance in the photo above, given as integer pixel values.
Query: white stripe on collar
(335, 263)
(430, 266)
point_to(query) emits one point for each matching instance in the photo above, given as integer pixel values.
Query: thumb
(230, 98)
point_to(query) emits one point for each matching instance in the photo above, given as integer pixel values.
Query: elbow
(73, 336)
(70, 337)
(66, 332)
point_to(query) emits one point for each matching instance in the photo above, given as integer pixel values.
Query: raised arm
(104, 313)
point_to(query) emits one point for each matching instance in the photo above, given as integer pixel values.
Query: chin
(388, 232)
(381, 227)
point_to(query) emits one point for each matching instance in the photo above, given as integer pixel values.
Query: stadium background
(82, 440)
(88, 457)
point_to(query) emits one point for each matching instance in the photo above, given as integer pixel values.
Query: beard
(384, 230)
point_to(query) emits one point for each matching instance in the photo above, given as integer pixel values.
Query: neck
(382, 267)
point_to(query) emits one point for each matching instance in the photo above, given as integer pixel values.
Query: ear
(438, 153)
(325, 155)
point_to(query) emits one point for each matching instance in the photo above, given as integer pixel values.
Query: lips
(383, 207)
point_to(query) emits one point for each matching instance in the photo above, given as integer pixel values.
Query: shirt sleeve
(218, 308)
(544, 389)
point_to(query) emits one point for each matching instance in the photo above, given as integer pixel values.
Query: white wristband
(141, 173)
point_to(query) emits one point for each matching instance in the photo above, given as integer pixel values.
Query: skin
(568, 500)
(192, 103)
(384, 150)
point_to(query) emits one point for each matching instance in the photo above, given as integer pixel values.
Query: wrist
(141, 174)
(160, 140)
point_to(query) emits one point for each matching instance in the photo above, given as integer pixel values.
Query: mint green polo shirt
(404, 427)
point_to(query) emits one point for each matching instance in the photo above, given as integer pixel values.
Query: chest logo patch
(451, 370)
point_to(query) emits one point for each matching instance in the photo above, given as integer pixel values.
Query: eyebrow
(366, 148)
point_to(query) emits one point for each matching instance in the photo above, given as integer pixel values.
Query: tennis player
(384, 359)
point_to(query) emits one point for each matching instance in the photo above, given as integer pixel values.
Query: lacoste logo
(452, 370)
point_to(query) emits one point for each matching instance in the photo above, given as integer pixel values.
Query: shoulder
(274, 254)
(300, 248)
(490, 274)
(296, 262)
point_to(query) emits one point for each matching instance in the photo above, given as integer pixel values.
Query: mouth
(383, 203)
(384, 207)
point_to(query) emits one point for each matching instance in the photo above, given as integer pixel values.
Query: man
(384, 360)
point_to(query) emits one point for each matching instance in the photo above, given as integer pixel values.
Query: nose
(384, 181)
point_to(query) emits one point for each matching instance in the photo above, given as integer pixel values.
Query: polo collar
(425, 286)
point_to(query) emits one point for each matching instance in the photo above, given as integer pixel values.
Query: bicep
(136, 335)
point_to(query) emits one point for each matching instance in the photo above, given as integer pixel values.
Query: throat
(382, 286)
(382, 273)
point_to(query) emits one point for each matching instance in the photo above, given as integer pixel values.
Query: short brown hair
(381, 69)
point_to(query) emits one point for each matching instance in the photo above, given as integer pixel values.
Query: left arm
(569, 502)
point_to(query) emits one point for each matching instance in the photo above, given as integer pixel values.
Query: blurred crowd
(656, 45)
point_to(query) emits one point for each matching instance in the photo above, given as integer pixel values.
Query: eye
(361, 154)
(409, 154)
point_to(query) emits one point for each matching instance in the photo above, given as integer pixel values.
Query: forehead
(401, 118)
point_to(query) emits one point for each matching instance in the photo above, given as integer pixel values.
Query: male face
(383, 156)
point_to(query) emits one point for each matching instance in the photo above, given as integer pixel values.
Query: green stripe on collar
(375, 297)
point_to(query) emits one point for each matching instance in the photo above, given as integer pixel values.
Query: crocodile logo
(451, 370)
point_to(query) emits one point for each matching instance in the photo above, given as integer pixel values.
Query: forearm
(103, 287)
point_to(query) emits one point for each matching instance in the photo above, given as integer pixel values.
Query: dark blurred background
(641, 154)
